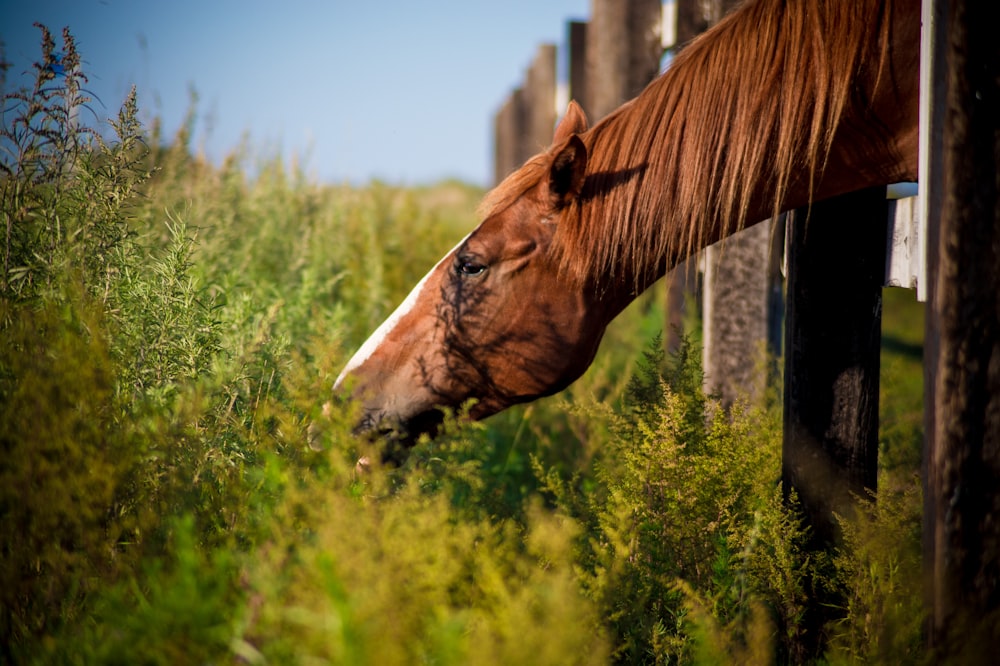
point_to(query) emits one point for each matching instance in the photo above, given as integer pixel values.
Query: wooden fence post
(696, 16)
(578, 67)
(735, 331)
(833, 325)
(524, 124)
(624, 48)
(962, 342)
(540, 103)
(836, 266)
(508, 125)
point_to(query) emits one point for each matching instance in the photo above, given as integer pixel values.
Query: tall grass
(172, 491)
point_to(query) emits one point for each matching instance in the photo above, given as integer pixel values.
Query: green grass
(901, 383)
(171, 490)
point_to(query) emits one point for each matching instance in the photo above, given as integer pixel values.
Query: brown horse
(783, 103)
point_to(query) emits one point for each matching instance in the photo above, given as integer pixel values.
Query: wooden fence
(946, 244)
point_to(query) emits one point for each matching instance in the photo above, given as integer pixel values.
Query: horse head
(496, 321)
(714, 144)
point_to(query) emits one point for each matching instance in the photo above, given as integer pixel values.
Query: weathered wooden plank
(904, 262)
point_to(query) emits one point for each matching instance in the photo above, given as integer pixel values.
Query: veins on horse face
(476, 352)
(465, 358)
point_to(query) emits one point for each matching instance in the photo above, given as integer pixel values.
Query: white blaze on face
(380, 334)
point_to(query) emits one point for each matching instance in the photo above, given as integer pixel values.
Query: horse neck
(781, 104)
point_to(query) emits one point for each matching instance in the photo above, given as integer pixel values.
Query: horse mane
(743, 112)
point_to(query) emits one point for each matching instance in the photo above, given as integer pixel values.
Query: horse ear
(574, 122)
(568, 171)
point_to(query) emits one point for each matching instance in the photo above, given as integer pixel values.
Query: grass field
(169, 332)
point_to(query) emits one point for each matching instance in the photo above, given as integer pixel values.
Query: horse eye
(469, 268)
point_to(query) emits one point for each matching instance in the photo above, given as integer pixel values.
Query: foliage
(691, 538)
(881, 559)
(172, 488)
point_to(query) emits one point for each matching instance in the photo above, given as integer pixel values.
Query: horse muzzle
(398, 435)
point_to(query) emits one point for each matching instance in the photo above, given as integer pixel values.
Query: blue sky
(403, 91)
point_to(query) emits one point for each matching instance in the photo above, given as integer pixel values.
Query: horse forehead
(522, 221)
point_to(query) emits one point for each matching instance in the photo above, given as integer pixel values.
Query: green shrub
(183, 608)
(689, 515)
(64, 471)
(879, 569)
(368, 571)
